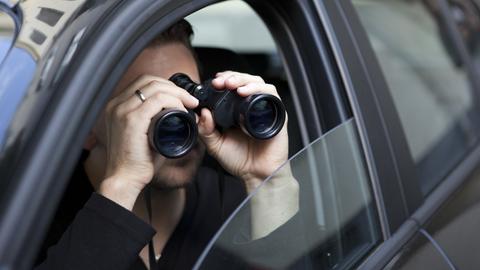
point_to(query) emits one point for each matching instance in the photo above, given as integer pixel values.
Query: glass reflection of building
(42, 19)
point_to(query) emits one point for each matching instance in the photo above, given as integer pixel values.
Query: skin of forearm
(274, 203)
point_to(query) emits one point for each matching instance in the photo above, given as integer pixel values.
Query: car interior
(212, 59)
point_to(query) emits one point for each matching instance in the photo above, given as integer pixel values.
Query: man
(188, 204)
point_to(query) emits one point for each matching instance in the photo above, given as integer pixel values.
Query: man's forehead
(161, 61)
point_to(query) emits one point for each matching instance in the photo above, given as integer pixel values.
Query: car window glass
(7, 33)
(336, 224)
(428, 84)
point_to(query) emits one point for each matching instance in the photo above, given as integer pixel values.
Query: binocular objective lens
(262, 116)
(173, 134)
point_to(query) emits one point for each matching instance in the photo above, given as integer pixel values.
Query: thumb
(208, 134)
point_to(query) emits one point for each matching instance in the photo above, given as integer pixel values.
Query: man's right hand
(129, 158)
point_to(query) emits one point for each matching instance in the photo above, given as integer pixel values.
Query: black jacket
(91, 232)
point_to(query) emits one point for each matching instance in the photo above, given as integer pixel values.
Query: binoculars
(173, 133)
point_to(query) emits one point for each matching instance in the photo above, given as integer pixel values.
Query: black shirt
(92, 232)
(103, 235)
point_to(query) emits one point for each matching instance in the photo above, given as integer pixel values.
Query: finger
(233, 80)
(218, 74)
(149, 85)
(138, 83)
(257, 88)
(150, 108)
(155, 88)
(208, 134)
(159, 89)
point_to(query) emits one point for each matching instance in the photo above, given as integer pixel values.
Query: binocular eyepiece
(173, 133)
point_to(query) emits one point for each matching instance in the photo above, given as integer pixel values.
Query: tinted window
(428, 84)
(335, 227)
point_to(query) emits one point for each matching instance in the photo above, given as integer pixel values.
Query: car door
(75, 67)
(432, 82)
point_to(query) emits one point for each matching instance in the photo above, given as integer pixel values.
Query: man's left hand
(248, 158)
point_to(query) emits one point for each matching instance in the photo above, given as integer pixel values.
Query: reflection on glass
(16, 72)
(427, 81)
(466, 14)
(46, 19)
(7, 33)
(334, 227)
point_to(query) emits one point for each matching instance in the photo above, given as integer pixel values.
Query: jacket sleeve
(103, 235)
(284, 248)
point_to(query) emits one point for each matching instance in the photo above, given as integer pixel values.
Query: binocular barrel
(174, 132)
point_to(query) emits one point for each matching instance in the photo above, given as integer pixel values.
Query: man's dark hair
(180, 31)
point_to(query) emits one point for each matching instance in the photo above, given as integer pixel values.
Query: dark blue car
(382, 98)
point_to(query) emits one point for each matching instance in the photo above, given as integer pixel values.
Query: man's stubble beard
(177, 173)
(166, 183)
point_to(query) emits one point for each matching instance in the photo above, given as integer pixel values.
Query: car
(383, 105)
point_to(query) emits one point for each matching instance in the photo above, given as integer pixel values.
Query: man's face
(164, 61)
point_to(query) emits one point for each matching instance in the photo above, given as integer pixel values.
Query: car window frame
(372, 104)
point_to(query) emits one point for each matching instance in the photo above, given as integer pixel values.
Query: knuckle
(161, 98)
(157, 97)
(130, 118)
(258, 78)
(144, 77)
(271, 87)
(155, 84)
(117, 112)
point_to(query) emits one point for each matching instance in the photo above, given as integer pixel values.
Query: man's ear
(90, 141)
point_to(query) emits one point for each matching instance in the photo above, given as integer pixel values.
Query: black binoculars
(173, 133)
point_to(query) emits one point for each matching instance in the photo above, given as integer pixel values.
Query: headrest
(213, 60)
